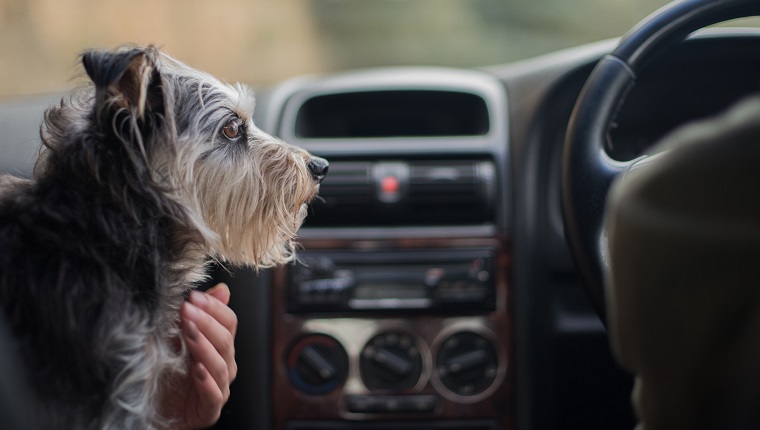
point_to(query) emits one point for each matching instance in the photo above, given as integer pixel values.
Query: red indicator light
(389, 184)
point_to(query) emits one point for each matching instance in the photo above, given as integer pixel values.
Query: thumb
(221, 292)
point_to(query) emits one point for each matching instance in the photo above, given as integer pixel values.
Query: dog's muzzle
(318, 168)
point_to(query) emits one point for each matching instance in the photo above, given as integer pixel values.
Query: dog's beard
(255, 202)
(301, 215)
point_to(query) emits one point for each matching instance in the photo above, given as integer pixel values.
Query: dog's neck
(139, 228)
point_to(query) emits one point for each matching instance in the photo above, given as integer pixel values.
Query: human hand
(208, 328)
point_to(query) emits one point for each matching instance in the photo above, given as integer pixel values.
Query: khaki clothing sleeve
(683, 294)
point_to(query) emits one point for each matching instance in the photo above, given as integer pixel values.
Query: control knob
(317, 364)
(467, 363)
(391, 361)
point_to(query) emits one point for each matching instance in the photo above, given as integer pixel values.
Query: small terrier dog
(145, 176)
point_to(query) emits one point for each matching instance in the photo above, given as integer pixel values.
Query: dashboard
(398, 310)
(434, 289)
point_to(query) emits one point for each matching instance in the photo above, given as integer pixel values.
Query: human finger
(220, 336)
(221, 291)
(195, 331)
(216, 308)
(208, 405)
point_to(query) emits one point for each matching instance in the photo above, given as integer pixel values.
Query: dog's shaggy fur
(144, 176)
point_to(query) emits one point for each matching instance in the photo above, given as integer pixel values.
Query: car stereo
(449, 281)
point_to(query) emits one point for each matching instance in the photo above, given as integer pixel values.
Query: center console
(396, 314)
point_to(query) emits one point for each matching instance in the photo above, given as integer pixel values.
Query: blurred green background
(266, 41)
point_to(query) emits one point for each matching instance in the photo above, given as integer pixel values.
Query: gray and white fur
(144, 177)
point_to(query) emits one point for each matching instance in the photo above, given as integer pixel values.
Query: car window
(265, 41)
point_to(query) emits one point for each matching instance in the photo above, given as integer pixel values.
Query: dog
(144, 176)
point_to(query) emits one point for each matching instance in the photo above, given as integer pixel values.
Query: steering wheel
(587, 169)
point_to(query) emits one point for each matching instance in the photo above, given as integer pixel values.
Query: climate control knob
(467, 363)
(317, 364)
(391, 361)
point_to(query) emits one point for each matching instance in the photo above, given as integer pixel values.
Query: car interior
(449, 275)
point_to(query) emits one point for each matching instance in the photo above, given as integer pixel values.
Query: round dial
(317, 364)
(391, 361)
(467, 363)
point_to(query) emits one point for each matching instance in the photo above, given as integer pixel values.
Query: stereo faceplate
(441, 281)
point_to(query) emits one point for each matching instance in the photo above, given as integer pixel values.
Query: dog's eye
(232, 129)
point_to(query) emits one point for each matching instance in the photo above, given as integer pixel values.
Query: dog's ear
(125, 79)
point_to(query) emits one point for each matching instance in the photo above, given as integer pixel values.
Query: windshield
(267, 41)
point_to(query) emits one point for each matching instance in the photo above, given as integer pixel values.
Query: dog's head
(192, 136)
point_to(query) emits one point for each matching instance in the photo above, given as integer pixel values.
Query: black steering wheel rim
(587, 169)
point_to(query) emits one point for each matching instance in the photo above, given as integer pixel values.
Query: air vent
(348, 184)
(452, 192)
(383, 193)
(431, 183)
(388, 113)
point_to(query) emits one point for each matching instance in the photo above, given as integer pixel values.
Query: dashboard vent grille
(347, 184)
(429, 192)
(453, 191)
(442, 183)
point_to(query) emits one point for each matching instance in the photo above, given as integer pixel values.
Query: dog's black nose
(318, 167)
